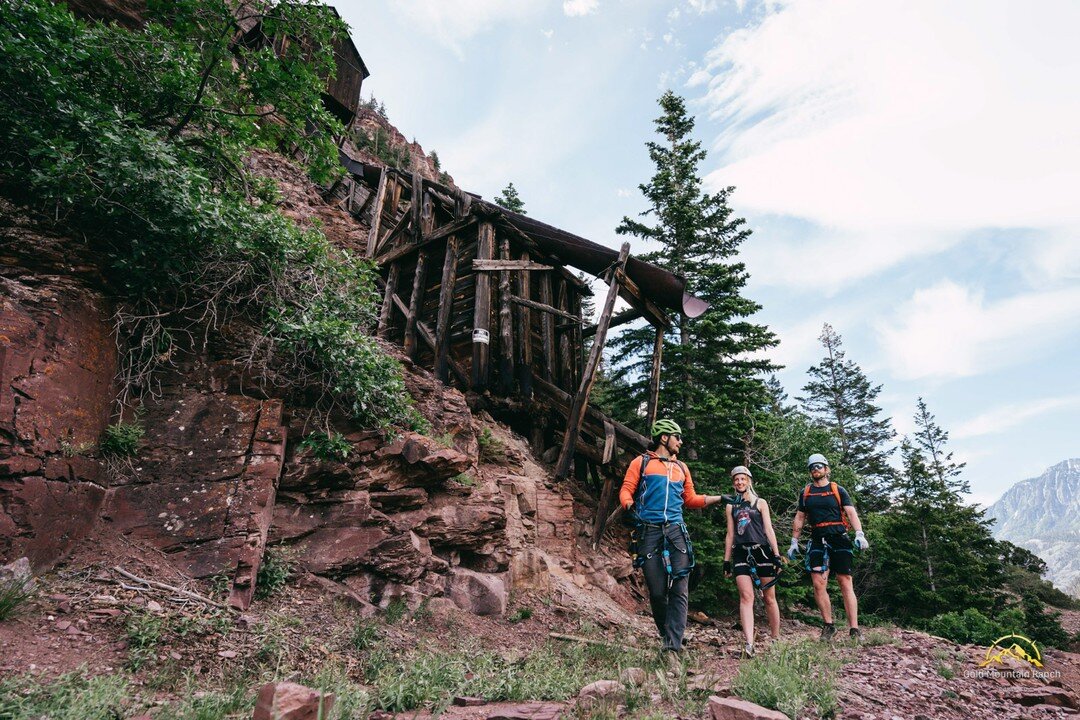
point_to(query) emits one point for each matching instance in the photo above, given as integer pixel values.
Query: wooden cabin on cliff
(486, 299)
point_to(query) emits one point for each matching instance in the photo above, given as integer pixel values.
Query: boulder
(601, 691)
(414, 459)
(478, 593)
(633, 677)
(735, 709)
(290, 701)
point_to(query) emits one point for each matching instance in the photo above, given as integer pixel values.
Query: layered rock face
(221, 474)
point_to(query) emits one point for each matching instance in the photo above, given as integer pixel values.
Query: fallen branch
(173, 588)
(578, 638)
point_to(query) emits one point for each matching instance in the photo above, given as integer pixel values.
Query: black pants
(667, 591)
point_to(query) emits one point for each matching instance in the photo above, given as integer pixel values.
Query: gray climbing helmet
(741, 470)
(816, 459)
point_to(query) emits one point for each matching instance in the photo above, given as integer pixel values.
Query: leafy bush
(274, 571)
(14, 594)
(137, 140)
(789, 677)
(122, 438)
(521, 614)
(491, 448)
(327, 447)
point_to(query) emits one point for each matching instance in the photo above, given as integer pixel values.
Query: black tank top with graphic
(749, 527)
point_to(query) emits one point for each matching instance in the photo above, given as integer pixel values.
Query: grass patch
(492, 449)
(74, 696)
(791, 677)
(274, 571)
(465, 479)
(873, 638)
(15, 592)
(395, 611)
(521, 614)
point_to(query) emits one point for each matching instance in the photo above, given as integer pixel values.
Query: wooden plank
(588, 375)
(524, 335)
(451, 228)
(567, 377)
(416, 304)
(561, 398)
(395, 232)
(547, 329)
(417, 207)
(609, 441)
(446, 302)
(628, 315)
(388, 298)
(428, 337)
(543, 308)
(499, 265)
(485, 248)
(633, 295)
(506, 322)
(602, 511)
(376, 213)
(654, 378)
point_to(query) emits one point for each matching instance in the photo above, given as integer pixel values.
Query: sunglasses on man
(817, 466)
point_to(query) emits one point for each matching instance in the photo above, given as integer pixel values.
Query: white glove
(793, 549)
(861, 541)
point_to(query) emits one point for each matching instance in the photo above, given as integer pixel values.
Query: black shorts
(832, 553)
(762, 558)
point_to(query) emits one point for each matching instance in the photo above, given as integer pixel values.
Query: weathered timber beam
(547, 328)
(524, 334)
(544, 308)
(636, 298)
(602, 511)
(399, 227)
(417, 207)
(563, 399)
(506, 322)
(416, 303)
(425, 334)
(588, 376)
(450, 228)
(500, 265)
(446, 302)
(532, 245)
(388, 297)
(628, 315)
(485, 248)
(376, 213)
(566, 357)
(654, 378)
(609, 442)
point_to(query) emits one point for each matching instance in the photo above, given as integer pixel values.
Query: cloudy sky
(910, 169)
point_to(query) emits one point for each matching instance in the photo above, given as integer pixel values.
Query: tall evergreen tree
(930, 439)
(510, 200)
(840, 396)
(712, 369)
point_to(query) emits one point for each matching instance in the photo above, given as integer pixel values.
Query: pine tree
(840, 396)
(711, 375)
(931, 439)
(510, 200)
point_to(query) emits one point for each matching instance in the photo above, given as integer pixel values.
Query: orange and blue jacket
(660, 493)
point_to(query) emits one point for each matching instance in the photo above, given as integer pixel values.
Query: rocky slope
(1042, 514)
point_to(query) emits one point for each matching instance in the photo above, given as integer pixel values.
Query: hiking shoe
(827, 632)
(855, 634)
(748, 650)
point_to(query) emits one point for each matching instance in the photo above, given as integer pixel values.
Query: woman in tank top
(751, 555)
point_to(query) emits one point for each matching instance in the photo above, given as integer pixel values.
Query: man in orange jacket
(656, 488)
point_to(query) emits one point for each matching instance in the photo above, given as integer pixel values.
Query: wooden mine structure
(484, 298)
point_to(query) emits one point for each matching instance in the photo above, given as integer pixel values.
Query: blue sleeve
(845, 499)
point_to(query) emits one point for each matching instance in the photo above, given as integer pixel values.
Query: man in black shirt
(830, 512)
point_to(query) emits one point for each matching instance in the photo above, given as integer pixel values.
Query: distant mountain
(1043, 515)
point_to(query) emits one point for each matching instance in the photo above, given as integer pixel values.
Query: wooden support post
(376, 214)
(588, 376)
(417, 207)
(425, 334)
(602, 511)
(506, 324)
(485, 247)
(524, 335)
(446, 302)
(568, 378)
(654, 379)
(416, 303)
(547, 329)
(388, 300)
(610, 445)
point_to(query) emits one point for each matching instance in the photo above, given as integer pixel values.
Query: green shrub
(274, 571)
(364, 635)
(14, 594)
(521, 614)
(395, 611)
(790, 677)
(465, 479)
(327, 447)
(122, 438)
(491, 448)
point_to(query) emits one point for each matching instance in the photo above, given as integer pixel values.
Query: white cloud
(939, 117)
(578, 8)
(1007, 417)
(623, 193)
(950, 331)
(700, 77)
(704, 6)
(451, 24)
(547, 33)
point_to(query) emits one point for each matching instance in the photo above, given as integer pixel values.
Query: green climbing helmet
(666, 426)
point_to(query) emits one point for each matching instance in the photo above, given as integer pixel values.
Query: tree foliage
(840, 396)
(137, 141)
(510, 200)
